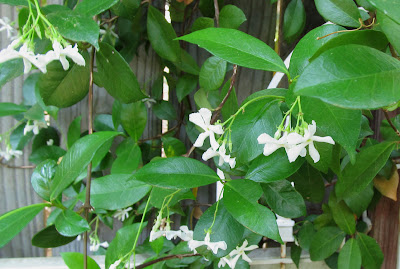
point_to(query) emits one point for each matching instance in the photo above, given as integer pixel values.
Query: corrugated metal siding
(15, 188)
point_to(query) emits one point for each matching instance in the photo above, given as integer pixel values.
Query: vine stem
(279, 9)
(170, 257)
(216, 7)
(87, 205)
(391, 123)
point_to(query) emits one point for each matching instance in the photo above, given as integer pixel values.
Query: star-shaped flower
(34, 127)
(235, 254)
(122, 214)
(9, 153)
(213, 246)
(5, 26)
(61, 54)
(203, 120)
(223, 157)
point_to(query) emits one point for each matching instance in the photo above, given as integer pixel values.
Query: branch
(216, 7)
(16, 167)
(159, 135)
(177, 256)
(391, 123)
(279, 7)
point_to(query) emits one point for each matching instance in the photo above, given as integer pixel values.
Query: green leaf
(12, 222)
(306, 235)
(238, 48)
(325, 242)
(264, 169)
(388, 7)
(50, 238)
(77, 159)
(69, 223)
(128, 158)
(158, 195)
(173, 147)
(90, 8)
(262, 116)
(342, 215)
(165, 111)
(371, 253)
(201, 99)
(294, 20)
(231, 105)
(187, 63)
(103, 122)
(240, 199)
(174, 173)
(337, 80)
(295, 254)
(62, 88)
(212, 73)
(231, 16)
(343, 125)
(46, 152)
(308, 45)
(390, 28)
(370, 38)
(350, 255)
(10, 70)
(134, 119)
(185, 85)
(284, 199)
(202, 23)
(369, 162)
(15, 2)
(225, 228)
(76, 27)
(343, 12)
(162, 36)
(74, 131)
(74, 260)
(116, 191)
(360, 201)
(9, 109)
(309, 182)
(122, 242)
(117, 76)
(41, 178)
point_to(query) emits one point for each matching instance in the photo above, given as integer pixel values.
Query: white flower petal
(265, 138)
(200, 139)
(294, 139)
(64, 62)
(270, 148)
(213, 142)
(197, 119)
(295, 151)
(209, 153)
(325, 139)
(313, 152)
(206, 115)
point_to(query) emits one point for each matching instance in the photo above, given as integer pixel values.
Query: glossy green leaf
(295, 254)
(294, 20)
(212, 73)
(42, 177)
(231, 105)
(173, 146)
(12, 222)
(165, 111)
(370, 38)
(231, 16)
(185, 85)
(62, 88)
(162, 36)
(69, 223)
(390, 28)
(342, 215)
(264, 168)
(74, 260)
(122, 242)
(225, 228)
(158, 195)
(345, 76)
(90, 8)
(46, 152)
(14, 2)
(369, 162)
(350, 255)
(371, 253)
(10, 70)
(283, 199)
(128, 158)
(201, 99)
(77, 159)
(325, 242)
(117, 76)
(342, 12)
(202, 23)
(308, 45)
(174, 173)
(261, 116)
(309, 182)
(306, 235)
(50, 238)
(9, 109)
(238, 48)
(74, 131)
(240, 199)
(117, 191)
(103, 122)
(76, 27)
(187, 63)
(325, 151)
(388, 7)
(360, 201)
(134, 119)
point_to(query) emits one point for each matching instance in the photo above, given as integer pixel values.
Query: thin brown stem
(87, 207)
(170, 257)
(159, 135)
(216, 7)
(16, 167)
(391, 123)
(279, 10)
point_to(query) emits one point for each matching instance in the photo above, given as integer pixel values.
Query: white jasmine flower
(149, 102)
(61, 54)
(115, 264)
(235, 254)
(203, 120)
(9, 153)
(156, 234)
(186, 234)
(271, 143)
(50, 142)
(308, 140)
(210, 153)
(95, 245)
(5, 26)
(34, 127)
(122, 214)
(213, 246)
(223, 261)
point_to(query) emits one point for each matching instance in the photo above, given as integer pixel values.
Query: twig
(17, 167)
(391, 123)
(159, 135)
(170, 257)
(109, 20)
(87, 207)
(279, 7)
(216, 7)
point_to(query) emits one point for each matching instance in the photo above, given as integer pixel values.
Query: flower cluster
(9, 153)
(235, 254)
(34, 127)
(203, 120)
(213, 246)
(95, 244)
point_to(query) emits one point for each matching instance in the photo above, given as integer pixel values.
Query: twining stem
(87, 205)
(170, 257)
(216, 7)
(391, 123)
(279, 9)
